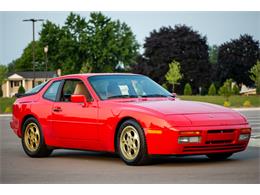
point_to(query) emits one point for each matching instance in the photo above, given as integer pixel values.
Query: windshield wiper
(157, 95)
(122, 96)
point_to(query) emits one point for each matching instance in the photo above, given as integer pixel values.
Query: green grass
(235, 101)
(6, 105)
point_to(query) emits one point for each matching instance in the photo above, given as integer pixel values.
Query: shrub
(187, 89)
(247, 103)
(8, 109)
(235, 89)
(226, 89)
(21, 90)
(227, 104)
(1, 91)
(212, 90)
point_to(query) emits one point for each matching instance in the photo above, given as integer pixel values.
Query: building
(247, 91)
(16, 79)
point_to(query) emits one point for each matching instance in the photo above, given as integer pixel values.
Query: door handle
(57, 109)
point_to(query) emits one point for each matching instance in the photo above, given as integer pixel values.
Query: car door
(72, 123)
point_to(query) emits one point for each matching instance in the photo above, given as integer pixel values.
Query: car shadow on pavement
(160, 160)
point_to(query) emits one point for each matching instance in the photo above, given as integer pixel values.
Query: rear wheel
(219, 156)
(33, 140)
(131, 144)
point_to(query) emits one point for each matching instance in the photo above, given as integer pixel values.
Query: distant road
(68, 166)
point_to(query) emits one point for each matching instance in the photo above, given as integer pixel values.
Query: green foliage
(236, 58)
(213, 54)
(212, 90)
(182, 44)
(99, 42)
(247, 103)
(226, 89)
(173, 75)
(1, 91)
(86, 68)
(187, 89)
(236, 100)
(227, 104)
(6, 102)
(24, 63)
(255, 76)
(3, 71)
(8, 109)
(21, 90)
(235, 89)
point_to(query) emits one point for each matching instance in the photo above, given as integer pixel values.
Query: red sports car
(124, 113)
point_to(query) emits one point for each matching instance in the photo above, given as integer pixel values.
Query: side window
(74, 87)
(51, 92)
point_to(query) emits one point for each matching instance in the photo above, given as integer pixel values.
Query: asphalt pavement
(72, 166)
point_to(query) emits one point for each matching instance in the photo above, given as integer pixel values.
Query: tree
(213, 54)
(235, 89)
(226, 89)
(24, 63)
(255, 76)
(21, 90)
(98, 42)
(187, 89)
(212, 89)
(182, 44)
(3, 71)
(109, 42)
(52, 35)
(173, 75)
(236, 58)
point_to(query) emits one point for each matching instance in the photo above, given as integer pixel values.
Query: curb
(4, 115)
(247, 109)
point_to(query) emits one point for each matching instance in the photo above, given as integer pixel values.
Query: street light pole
(33, 20)
(46, 60)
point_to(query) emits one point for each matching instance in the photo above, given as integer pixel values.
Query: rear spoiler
(20, 95)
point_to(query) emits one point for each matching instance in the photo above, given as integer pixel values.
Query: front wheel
(33, 140)
(131, 143)
(219, 156)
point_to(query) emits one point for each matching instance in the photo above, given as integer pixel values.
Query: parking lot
(71, 166)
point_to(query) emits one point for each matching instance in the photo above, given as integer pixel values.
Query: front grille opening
(221, 131)
(219, 141)
(208, 148)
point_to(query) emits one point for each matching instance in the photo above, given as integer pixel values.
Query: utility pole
(33, 20)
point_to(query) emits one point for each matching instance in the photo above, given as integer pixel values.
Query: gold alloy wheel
(129, 142)
(32, 137)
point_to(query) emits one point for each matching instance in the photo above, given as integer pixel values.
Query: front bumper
(214, 139)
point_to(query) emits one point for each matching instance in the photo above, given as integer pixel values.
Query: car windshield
(36, 89)
(126, 86)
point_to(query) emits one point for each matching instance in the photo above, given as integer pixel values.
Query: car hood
(170, 107)
(186, 113)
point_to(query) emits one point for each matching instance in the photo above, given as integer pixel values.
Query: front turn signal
(190, 133)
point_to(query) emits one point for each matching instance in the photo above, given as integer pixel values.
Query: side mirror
(174, 95)
(79, 99)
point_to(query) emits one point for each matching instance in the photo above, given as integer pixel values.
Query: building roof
(38, 74)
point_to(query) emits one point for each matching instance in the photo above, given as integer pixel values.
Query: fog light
(193, 139)
(243, 137)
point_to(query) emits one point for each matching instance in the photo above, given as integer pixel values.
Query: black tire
(141, 157)
(219, 156)
(41, 150)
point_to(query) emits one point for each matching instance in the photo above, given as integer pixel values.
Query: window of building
(15, 83)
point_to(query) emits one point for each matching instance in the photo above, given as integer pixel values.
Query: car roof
(86, 75)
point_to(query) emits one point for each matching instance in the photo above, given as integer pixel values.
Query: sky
(218, 27)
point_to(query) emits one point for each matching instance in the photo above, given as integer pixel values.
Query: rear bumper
(217, 142)
(14, 124)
